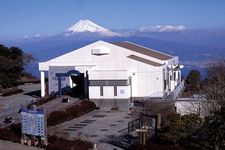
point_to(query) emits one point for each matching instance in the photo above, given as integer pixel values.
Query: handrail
(178, 89)
(168, 95)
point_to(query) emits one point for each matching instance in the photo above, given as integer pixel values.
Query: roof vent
(100, 50)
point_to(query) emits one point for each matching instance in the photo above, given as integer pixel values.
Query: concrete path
(97, 127)
(20, 98)
(6, 145)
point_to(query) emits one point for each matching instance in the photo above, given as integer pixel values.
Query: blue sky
(28, 17)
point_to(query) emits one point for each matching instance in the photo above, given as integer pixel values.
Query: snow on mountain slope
(89, 26)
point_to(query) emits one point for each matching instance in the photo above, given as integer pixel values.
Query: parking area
(95, 127)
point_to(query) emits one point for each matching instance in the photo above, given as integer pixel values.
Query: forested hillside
(12, 63)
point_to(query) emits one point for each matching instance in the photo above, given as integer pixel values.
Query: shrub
(57, 143)
(12, 92)
(43, 100)
(75, 111)
(57, 117)
(12, 133)
(211, 134)
(176, 128)
(6, 134)
(154, 146)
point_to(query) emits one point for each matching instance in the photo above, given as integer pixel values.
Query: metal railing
(160, 95)
(176, 92)
(132, 126)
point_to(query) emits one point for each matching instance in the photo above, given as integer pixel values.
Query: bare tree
(214, 85)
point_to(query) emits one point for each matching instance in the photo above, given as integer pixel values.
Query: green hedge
(75, 111)
(43, 100)
(12, 92)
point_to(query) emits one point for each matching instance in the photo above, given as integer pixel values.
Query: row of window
(122, 91)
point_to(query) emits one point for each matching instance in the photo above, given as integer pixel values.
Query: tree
(12, 65)
(214, 85)
(193, 81)
(211, 135)
(177, 128)
(212, 132)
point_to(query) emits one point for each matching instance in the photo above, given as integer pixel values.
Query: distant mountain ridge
(193, 46)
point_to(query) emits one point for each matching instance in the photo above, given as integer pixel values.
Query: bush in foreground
(57, 143)
(153, 146)
(11, 133)
(176, 128)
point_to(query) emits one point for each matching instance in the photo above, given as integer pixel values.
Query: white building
(103, 70)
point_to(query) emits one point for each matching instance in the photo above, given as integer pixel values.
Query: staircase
(167, 96)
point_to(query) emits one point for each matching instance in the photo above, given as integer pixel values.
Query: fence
(133, 125)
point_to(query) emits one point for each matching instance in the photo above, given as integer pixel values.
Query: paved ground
(5, 145)
(96, 127)
(57, 104)
(21, 98)
(51, 106)
(31, 92)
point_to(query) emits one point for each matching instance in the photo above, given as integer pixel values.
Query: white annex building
(104, 70)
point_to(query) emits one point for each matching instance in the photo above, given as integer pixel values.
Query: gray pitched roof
(144, 50)
(143, 60)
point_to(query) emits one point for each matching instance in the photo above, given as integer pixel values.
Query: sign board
(33, 122)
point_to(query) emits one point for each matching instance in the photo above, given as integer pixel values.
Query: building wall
(88, 59)
(109, 89)
(146, 80)
(147, 84)
(53, 79)
(94, 92)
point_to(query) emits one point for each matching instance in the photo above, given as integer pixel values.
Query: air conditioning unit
(100, 50)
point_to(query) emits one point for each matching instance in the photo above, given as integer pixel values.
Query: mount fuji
(85, 26)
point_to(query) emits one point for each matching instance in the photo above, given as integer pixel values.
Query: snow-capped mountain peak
(89, 26)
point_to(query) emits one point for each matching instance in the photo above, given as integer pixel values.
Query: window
(115, 90)
(174, 75)
(165, 82)
(101, 90)
(122, 91)
(178, 76)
